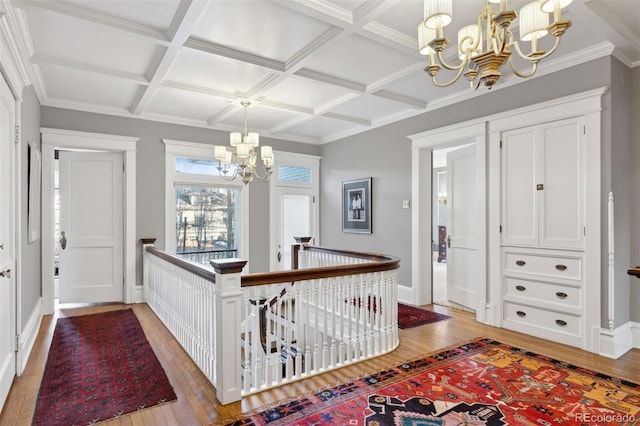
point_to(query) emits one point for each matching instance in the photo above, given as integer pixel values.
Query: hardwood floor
(197, 404)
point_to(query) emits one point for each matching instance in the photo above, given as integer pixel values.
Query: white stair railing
(253, 332)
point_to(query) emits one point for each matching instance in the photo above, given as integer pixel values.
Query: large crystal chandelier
(241, 159)
(484, 47)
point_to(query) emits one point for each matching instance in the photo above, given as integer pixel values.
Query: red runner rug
(100, 366)
(483, 382)
(411, 316)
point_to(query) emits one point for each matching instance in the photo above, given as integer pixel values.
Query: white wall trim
(406, 295)
(295, 160)
(423, 144)
(615, 343)
(27, 337)
(53, 139)
(565, 107)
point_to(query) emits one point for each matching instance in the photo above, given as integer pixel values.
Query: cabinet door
(519, 207)
(561, 170)
(543, 185)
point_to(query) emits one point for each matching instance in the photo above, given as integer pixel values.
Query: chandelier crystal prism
(241, 158)
(487, 45)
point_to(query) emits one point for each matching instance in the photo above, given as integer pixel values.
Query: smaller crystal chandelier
(242, 159)
(493, 30)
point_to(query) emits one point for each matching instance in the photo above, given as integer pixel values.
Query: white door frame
(296, 160)
(422, 147)
(53, 139)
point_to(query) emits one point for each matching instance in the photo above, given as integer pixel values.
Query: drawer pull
(520, 262)
(521, 314)
(520, 288)
(561, 267)
(561, 323)
(561, 295)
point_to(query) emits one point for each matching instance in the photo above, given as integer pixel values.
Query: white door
(91, 227)
(462, 228)
(296, 213)
(7, 244)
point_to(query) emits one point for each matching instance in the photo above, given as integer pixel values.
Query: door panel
(296, 219)
(91, 217)
(462, 227)
(7, 244)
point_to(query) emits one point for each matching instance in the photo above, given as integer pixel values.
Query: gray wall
(31, 288)
(362, 156)
(621, 185)
(370, 154)
(151, 176)
(635, 190)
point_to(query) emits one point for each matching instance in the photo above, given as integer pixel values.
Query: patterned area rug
(100, 366)
(480, 383)
(411, 316)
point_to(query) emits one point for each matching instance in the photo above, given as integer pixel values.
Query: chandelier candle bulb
(235, 138)
(253, 139)
(533, 22)
(242, 150)
(220, 153)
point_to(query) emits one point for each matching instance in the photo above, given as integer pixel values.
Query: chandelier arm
(451, 67)
(538, 57)
(435, 83)
(519, 73)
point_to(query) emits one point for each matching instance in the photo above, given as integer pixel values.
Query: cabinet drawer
(553, 322)
(542, 291)
(545, 265)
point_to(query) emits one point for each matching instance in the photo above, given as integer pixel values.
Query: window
(206, 215)
(294, 174)
(207, 222)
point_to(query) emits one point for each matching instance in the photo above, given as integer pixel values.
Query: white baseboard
(406, 295)
(27, 337)
(138, 294)
(635, 334)
(615, 343)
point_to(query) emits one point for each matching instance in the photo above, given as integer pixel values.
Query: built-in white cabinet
(543, 230)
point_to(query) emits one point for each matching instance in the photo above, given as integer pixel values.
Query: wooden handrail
(379, 262)
(192, 267)
(635, 271)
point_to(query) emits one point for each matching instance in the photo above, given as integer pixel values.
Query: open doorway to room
(454, 244)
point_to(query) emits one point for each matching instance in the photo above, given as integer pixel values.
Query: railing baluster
(312, 323)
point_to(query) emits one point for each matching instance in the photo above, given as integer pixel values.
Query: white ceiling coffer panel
(314, 70)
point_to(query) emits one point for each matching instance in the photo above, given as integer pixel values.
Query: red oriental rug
(100, 366)
(483, 382)
(411, 316)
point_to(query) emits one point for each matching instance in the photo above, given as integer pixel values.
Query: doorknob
(1, 246)
(63, 240)
(6, 274)
(448, 241)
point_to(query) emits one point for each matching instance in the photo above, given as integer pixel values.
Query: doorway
(57, 139)
(425, 238)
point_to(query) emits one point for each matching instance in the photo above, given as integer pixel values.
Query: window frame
(180, 149)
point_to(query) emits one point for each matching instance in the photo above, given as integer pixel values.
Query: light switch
(406, 204)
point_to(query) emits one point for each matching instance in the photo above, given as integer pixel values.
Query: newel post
(227, 320)
(301, 243)
(146, 242)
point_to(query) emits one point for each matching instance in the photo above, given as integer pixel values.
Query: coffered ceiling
(314, 70)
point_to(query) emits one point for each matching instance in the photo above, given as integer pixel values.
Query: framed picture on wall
(356, 206)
